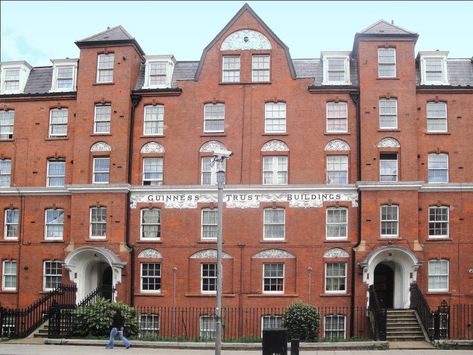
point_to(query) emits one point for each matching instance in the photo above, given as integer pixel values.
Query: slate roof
(182, 71)
(39, 81)
(384, 27)
(117, 33)
(459, 71)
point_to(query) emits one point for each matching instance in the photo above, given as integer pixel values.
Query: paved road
(21, 349)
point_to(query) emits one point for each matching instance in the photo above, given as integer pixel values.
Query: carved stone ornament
(273, 254)
(212, 146)
(245, 40)
(336, 253)
(152, 147)
(209, 254)
(337, 144)
(100, 147)
(275, 146)
(150, 254)
(389, 143)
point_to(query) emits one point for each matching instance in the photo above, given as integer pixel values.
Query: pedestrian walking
(118, 325)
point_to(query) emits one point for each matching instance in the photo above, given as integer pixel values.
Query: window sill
(56, 139)
(335, 294)
(96, 240)
(387, 239)
(437, 293)
(331, 241)
(446, 239)
(246, 83)
(7, 140)
(282, 134)
(100, 134)
(153, 136)
(207, 241)
(275, 241)
(150, 294)
(437, 133)
(281, 295)
(388, 78)
(213, 134)
(11, 241)
(211, 295)
(6, 292)
(389, 130)
(337, 134)
(148, 241)
(100, 84)
(52, 241)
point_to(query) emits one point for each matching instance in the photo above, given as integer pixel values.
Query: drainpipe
(135, 100)
(355, 96)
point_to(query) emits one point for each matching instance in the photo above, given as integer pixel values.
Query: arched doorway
(384, 284)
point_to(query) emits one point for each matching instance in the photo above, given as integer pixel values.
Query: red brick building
(349, 170)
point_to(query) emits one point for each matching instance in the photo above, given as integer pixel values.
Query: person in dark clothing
(118, 324)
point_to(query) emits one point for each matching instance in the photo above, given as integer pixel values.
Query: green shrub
(302, 321)
(95, 319)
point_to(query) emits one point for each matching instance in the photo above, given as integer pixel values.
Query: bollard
(295, 347)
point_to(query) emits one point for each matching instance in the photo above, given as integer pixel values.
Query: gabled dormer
(13, 77)
(158, 71)
(336, 68)
(64, 75)
(433, 67)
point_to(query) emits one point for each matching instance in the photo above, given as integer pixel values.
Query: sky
(37, 31)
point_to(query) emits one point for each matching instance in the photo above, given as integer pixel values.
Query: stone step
(405, 338)
(402, 327)
(405, 332)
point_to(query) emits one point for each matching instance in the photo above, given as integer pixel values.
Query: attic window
(433, 68)
(336, 69)
(158, 71)
(13, 77)
(64, 75)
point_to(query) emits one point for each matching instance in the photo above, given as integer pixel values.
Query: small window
(434, 70)
(98, 222)
(101, 171)
(436, 117)
(54, 224)
(209, 224)
(157, 74)
(260, 68)
(102, 119)
(7, 120)
(337, 117)
(58, 122)
(336, 277)
(208, 278)
(337, 169)
(231, 69)
(273, 278)
(275, 170)
(56, 172)
(274, 223)
(11, 224)
(271, 322)
(275, 117)
(152, 171)
(65, 78)
(208, 171)
(386, 62)
(214, 118)
(388, 167)
(388, 113)
(389, 221)
(337, 223)
(5, 172)
(150, 224)
(105, 68)
(151, 277)
(438, 167)
(438, 222)
(11, 81)
(9, 275)
(153, 120)
(149, 325)
(335, 327)
(438, 275)
(208, 326)
(52, 275)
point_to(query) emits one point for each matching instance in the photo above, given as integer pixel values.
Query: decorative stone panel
(245, 40)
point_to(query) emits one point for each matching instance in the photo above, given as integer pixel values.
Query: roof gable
(384, 27)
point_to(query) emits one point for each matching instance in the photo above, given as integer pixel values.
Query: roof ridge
(382, 21)
(109, 29)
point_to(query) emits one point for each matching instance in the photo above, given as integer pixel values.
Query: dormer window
(159, 70)
(336, 68)
(433, 68)
(64, 75)
(13, 77)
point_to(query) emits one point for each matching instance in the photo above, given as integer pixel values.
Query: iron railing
(377, 312)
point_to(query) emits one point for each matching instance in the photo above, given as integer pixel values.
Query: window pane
(214, 116)
(337, 169)
(275, 117)
(389, 220)
(260, 68)
(102, 118)
(151, 277)
(274, 223)
(388, 167)
(151, 223)
(387, 113)
(154, 120)
(101, 170)
(231, 69)
(438, 221)
(152, 171)
(7, 118)
(438, 168)
(436, 117)
(337, 117)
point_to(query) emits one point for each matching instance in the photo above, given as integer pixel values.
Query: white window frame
(8, 133)
(51, 275)
(101, 237)
(267, 225)
(5, 275)
(389, 115)
(263, 69)
(447, 222)
(283, 277)
(149, 327)
(47, 225)
(327, 237)
(424, 58)
(212, 171)
(209, 332)
(99, 68)
(275, 169)
(331, 164)
(95, 172)
(53, 124)
(331, 115)
(386, 160)
(326, 58)
(202, 277)
(160, 119)
(210, 118)
(151, 277)
(6, 224)
(344, 277)
(24, 70)
(336, 330)
(169, 61)
(273, 122)
(48, 176)
(387, 64)
(429, 168)
(273, 318)
(388, 236)
(3, 174)
(204, 210)
(157, 181)
(59, 64)
(109, 121)
(144, 224)
(447, 276)
(225, 79)
(436, 119)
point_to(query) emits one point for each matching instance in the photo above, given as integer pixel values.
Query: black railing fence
(20, 322)
(377, 312)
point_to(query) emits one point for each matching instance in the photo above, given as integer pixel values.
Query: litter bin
(275, 341)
